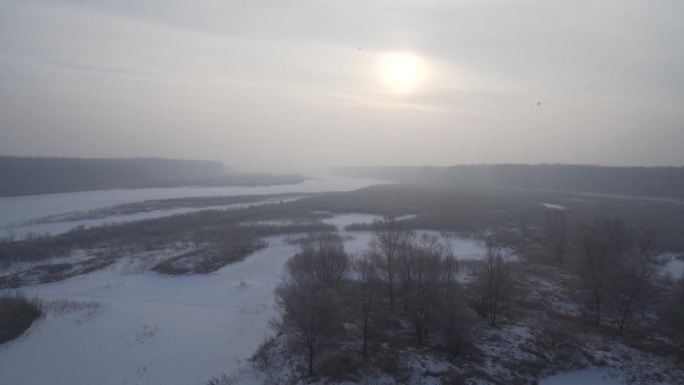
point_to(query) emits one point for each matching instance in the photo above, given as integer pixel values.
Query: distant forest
(40, 175)
(666, 182)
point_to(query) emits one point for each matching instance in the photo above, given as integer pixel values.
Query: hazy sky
(287, 85)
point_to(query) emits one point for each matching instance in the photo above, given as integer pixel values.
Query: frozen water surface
(15, 210)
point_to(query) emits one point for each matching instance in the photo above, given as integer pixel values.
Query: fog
(289, 86)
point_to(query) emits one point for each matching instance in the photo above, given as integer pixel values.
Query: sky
(291, 86)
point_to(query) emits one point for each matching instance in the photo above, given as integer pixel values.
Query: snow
(554, 207)
(152, 328)
(463, 248)
(588, 376)
(675, 267)
(341, 221)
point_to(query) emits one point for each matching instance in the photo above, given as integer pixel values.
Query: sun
(402, 72)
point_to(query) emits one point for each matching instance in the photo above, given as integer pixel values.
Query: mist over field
(432, 192)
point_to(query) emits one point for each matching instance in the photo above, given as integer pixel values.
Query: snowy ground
(151, 329)
(139, 327)
(675, 268)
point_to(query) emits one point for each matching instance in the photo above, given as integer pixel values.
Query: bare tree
(390, 240)
(617, 266)
(594, 263)
(420, 276)
(556, 226)
(492, 286)
(307, 300)
(310, 316)
(321, 258)
(368, 303)
(673, 312)
(524, 219)
(456, 323)
(631, 278)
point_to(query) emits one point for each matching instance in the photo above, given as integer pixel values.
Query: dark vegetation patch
(207, 260)
(55, 272)
(17, 313)
(629, 181)
(471, 210)
(157, 233)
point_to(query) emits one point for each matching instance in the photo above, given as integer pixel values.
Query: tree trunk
(598, 312)
(365, 343)
(311, 358)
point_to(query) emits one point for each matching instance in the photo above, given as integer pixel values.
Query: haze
(286, 86)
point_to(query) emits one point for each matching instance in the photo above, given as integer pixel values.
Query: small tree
(492, 286)
(631, 278)
(310, 316)
(390, 242)
(524, 219)
(556, 226)
(308, 300)
(673, 312)
(420, 278)
(594, 264)
(321, 258)
(367, 298)
(456, 323)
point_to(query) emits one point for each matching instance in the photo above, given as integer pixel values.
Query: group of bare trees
(419, 273)
(327, 296)
(618, 265)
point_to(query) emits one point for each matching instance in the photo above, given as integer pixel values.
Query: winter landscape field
(127, 323)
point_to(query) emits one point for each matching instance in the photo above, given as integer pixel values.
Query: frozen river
(15, 211)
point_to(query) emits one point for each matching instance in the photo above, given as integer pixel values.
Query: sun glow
(401, 72)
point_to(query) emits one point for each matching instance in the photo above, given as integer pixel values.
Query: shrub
(17, 314)
(338, 367)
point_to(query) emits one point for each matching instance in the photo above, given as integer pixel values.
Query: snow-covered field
(127, 325)
(151, 329)
(144, 328)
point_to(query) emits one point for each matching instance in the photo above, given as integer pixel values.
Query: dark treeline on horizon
(635, 181)
(41, 175)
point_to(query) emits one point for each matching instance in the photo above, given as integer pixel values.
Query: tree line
(42, 175)
(635, 181)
